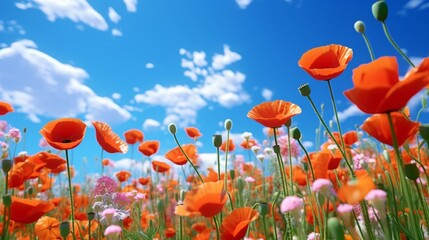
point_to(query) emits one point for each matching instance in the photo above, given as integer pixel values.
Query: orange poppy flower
(148, 148)
(206, 200)
(108, 140)
(326, 62)
(274, 114)
(234, 226)
(64, 133)
(144, 181)
(59, 169)
(47, 228)
(355, 191)
(160, 167)
(231, 146)
(170, 232)
(377, 88)
(350, 138)
(193, 132)
(19, 173)
(177, 157)
(28, 211)
(51, 160)
(5, 108)
(248, 144)
(378, 127)
(123, 175)
(133, 136)
(107, 162)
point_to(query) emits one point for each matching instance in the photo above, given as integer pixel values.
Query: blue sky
(143, 64)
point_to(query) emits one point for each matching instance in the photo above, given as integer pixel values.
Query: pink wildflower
(15, 134)
(112, 232)
(284, 146)
(105, 185)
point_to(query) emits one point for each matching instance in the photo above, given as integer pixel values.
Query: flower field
(370, 182)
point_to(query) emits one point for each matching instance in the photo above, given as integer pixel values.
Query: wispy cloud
(116, 32)
(78, 11)
(11, 27)
(267, 94)
(131, 5)
(150, 124)
(113, 15)
(351, 111)
(243, 3)
(149, 65)
(31, 81)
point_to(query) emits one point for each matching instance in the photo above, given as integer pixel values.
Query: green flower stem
(180, 228)
(71, 194)
(290, 163)
(353, 175)
(334, 105)
(367, 221)
(368, 45)
(187, 158)
(218, 163)
(264, 225)
(230, 201)
(272, 214)
(424, 204)
(226, 159)
(217, 228)
(405, 190)
(389, 37)
(308, 157)
(281, 166)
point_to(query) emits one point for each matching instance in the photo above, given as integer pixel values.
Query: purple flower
(15, 134)
(292, 204)
(121, 199)
(105, 185)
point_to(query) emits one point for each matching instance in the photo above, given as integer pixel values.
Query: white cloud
(31, 81)
(225, 88)
(228, 57)
(149, 65)
(267, 94)
(116, 96)
(116, 32)
(131, 164)
(150, 124)
(113, 15)
(78, 11)
(11, 26)
(200, 58)
(23, 6)
(243, 3)
(181, 103)
(411, 4)
(351, 111)
(308, 144)
(131, 5)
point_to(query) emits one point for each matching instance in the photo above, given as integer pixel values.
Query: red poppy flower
(377, 88)
(177, 157)
(108, 140)
(51, 160)
(64, 133)
(326, 62)
(235, 225)
(5, 108)
(378, 127)
(144, 181)
(123, 175)
(160, 167)
(19, 173)
(148, 148)
(28, 211)
(274, 114)
(231, 146)
(133, 136)
(193, 132)
(206, 200)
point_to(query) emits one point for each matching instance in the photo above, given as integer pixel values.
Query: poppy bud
(232, 174)
(172, 128)
(228, 124)
(424, 102)
(64, 229)
(380, 10)
(6, 165)
(296, 133)
(217, 140)
(7, 200)
(263, 209)
(359, 26)
(91, 215)
(30, 191)
(411, 171)
(276, 149)
(240, 185)
(305, 90)
(335, 228)
(288, 123)
(424, 132)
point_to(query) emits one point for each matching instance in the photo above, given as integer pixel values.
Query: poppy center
(67, 141)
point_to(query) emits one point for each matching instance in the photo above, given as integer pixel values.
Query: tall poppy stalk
(70, 194)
